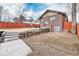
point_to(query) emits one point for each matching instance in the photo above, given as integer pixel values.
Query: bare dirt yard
(53, 44)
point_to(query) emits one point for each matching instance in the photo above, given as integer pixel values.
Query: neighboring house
(15, 19)
(20, 19)
(54, 19)
(36, 21)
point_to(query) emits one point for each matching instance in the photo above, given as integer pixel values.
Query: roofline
(51, 11)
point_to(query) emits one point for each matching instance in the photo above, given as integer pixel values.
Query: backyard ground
(53, 44)
(16, 29)
(50, 43)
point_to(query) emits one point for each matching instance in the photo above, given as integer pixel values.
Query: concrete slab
(14, 48)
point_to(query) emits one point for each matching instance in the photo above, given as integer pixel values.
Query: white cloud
(29, 13)
(13, 9)
(38, 14)
(54, 6)
(49, 6)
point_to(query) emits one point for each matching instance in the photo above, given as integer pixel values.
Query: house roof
(64, 13)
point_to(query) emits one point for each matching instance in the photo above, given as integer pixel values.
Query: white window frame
(52, 18)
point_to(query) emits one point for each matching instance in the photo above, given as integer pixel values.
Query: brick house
(54, 19)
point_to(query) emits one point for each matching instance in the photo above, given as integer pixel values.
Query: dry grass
(16, 29)
(53, 44)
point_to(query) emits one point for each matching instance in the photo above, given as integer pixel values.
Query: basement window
(52, 18)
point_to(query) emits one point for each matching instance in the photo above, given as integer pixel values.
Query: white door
(57, 29)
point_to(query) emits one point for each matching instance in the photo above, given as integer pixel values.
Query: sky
(37, 9)
(34, 10)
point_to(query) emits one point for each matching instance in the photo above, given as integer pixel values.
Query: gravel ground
(52, 44)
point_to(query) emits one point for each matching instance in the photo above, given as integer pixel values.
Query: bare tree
(73, 29)
(22, 18)
(1, 8)
(6, 15)
(72, 10)
(20, 13)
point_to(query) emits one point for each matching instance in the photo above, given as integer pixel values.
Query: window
(52, 18)
(45, 22)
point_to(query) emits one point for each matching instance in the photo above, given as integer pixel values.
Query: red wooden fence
(13, 25)
(16, 25)
(67, 26)
(78, 30)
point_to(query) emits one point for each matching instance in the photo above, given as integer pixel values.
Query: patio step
(11, 33)
(9, 36)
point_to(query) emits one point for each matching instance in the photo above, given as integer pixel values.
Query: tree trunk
(73, 29)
